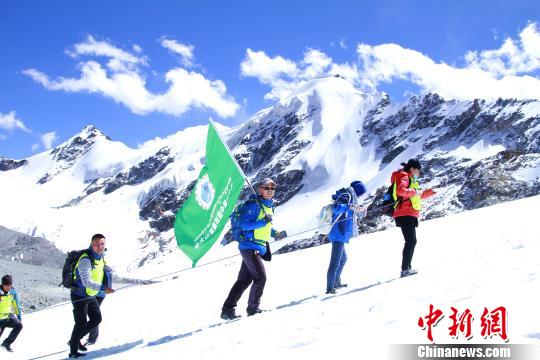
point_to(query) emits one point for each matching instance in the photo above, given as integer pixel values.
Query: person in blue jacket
(10, 312)
(255, 221)
(344, 226)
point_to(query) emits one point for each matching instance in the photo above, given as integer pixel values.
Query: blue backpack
(236, 229)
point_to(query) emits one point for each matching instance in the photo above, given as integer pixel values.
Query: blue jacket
(343, 228)
(248, 222)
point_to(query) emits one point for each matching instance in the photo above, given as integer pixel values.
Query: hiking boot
(339, 286)
(90, 342)
(229, 314)
(408, 272)
(7, 347)
(251, 312)
(81, 346)
(331, 291)
(76, 355)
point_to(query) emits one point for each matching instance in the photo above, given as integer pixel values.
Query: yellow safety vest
(6, 303)
(416, 200)
(96, 273)
(262, 235)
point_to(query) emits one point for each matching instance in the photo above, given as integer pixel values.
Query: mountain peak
(79, 144)
(90, 131)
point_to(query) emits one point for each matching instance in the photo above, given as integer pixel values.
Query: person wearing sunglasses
(255, 220)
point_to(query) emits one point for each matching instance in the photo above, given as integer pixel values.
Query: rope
(147, 281)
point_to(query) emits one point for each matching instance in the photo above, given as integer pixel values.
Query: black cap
(412, 163)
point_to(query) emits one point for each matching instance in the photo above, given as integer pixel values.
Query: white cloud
(48, 139)
(513, 57)
(343, 44)
(185, 51)
(119, 60)
(504, 72)
(137, 48)
(10, 121)
(268, 70)
(284, 75)
(121, 80)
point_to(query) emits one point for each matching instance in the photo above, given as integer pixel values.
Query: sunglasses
(269, 188)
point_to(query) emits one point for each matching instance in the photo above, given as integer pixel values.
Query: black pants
(94, 333)
(252, 270)
(408, 225)
(15, 324)
(83, 308)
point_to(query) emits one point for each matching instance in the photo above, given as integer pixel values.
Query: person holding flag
(255, 221)
(203, 216)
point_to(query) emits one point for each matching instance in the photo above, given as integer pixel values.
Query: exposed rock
(141, 172)
(9, 164)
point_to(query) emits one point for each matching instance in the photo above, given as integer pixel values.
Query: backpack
(325, 215)
(388, 204)
(68, 271)
(236, 229)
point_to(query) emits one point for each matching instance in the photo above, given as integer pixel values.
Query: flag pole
(238, 166)
(232, 157)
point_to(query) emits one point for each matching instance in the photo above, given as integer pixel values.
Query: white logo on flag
(205, 192)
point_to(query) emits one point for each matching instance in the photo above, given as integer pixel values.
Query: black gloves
(268, 218)
(280, 235)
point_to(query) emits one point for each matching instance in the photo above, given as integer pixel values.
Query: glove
(427, 193)
(268, 218)
(280, 235)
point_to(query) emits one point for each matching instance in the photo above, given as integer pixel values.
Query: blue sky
(227, 60)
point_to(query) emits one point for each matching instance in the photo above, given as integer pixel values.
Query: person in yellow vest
(255, 220)
(10, 312)
(88, 283)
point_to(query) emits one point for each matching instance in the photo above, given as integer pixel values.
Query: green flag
(200, 221)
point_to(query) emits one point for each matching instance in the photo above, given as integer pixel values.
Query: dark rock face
(141, 172)
(68, 153)
(267, 140)
(78, 146)
(161, 208)
(491, 181)
(44, 179)
(9, 164)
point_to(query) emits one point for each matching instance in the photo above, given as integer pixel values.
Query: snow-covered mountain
(324, 135)
(464, 261)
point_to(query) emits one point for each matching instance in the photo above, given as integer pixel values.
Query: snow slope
(481, 258)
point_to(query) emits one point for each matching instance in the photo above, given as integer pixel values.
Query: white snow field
(482, 258)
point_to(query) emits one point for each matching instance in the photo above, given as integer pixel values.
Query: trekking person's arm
(403, 189)
(16, 305)
(427, 193)
(85, 268)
